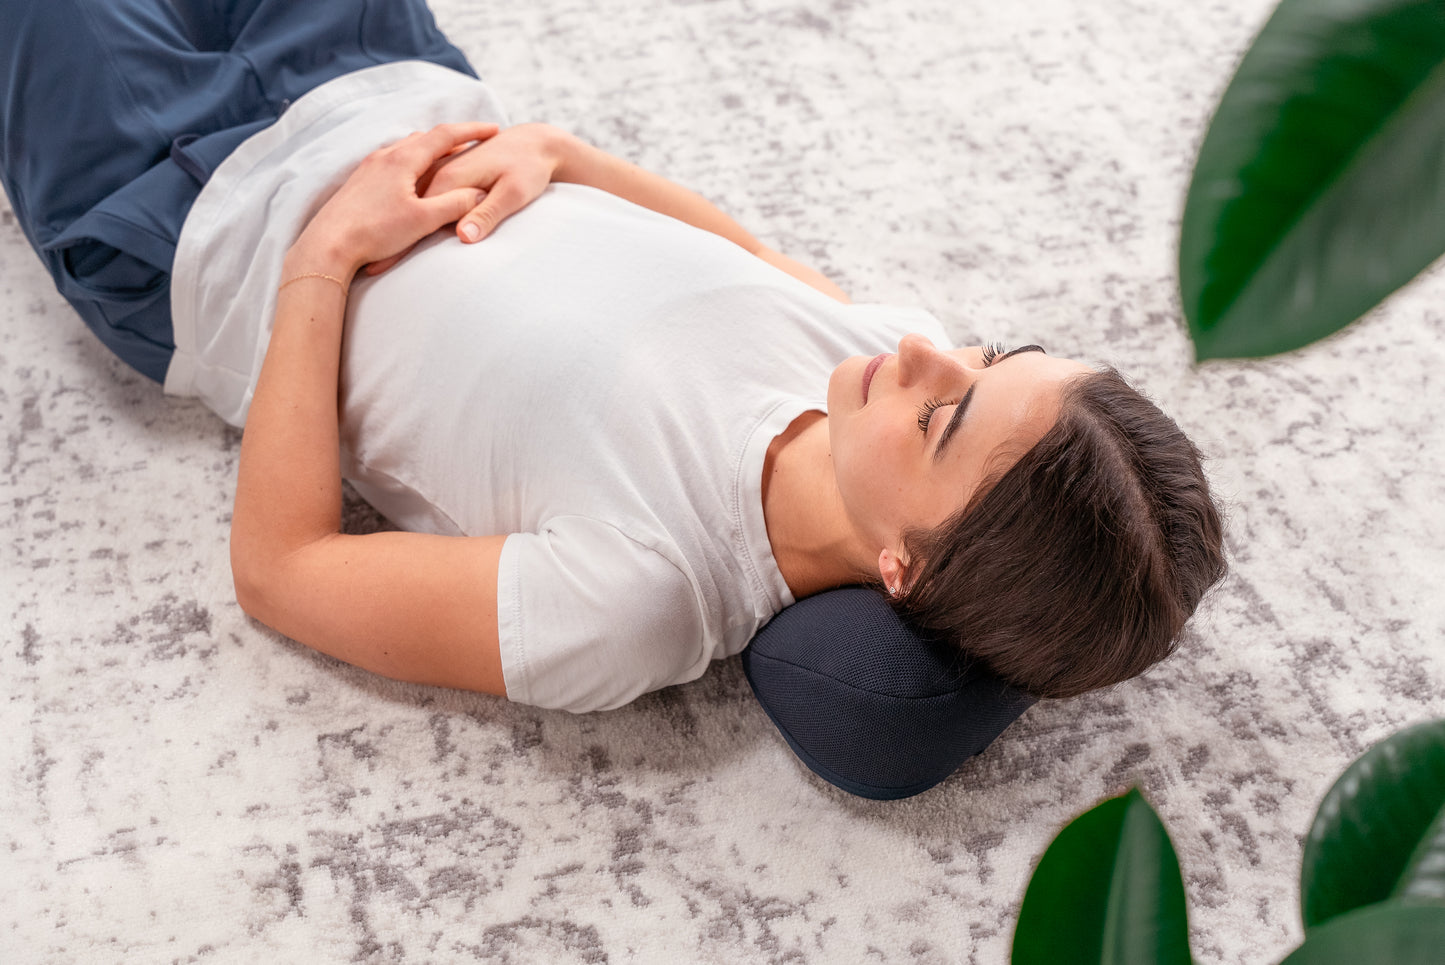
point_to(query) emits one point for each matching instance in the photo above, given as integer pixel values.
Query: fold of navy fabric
(114, 113)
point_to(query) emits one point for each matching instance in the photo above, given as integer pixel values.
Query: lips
(870, 371)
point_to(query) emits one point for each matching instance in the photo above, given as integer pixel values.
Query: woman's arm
(517, 165)
(407, 605)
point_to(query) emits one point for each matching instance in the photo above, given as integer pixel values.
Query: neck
(813, 541)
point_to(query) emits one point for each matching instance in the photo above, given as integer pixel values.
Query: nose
(921, 363)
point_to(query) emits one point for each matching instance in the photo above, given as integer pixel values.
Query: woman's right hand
(378, 214)
(513, 168)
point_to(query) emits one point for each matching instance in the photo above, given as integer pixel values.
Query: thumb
(506, 197)
(453, 205)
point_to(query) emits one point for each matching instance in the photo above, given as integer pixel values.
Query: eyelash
(926, 410)
(991, 352)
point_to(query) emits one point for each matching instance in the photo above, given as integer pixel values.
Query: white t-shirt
(597, 379)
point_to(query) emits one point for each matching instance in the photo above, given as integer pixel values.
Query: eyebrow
(962, 408)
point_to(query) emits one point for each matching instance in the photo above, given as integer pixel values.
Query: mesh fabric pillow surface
(866, 703)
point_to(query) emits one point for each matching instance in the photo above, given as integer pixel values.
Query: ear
(893, 567)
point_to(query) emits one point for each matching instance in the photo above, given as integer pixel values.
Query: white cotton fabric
(597, 379)
(228, 258)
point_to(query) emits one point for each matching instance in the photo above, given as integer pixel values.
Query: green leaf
(1393, 933)
(1380, 831)
(1320, 185)
(1108, 890)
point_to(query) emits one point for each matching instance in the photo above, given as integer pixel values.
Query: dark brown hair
(1078, 567)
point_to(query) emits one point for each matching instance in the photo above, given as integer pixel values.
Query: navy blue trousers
(114, 113)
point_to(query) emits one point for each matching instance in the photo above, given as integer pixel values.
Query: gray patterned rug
(181, 785)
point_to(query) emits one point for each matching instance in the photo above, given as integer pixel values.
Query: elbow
(265, 578)
(247, 596)
(248, 579)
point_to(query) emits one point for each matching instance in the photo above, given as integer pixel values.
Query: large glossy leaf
(1108, 890)
(1380, 831)
(1320, 186)
(1393, 933)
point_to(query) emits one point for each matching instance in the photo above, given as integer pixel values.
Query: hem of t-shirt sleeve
(510, 639)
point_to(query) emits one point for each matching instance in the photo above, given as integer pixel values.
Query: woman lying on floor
(619, 432)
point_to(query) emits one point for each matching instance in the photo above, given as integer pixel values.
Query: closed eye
(926, 410)
(990, 358)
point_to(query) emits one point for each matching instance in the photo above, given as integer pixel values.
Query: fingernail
(471, 232)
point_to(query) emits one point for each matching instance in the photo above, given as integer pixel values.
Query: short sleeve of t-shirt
(592, 618)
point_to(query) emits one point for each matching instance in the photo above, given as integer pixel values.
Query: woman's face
(913, 434)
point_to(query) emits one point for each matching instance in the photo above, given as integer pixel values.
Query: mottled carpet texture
(182, 785)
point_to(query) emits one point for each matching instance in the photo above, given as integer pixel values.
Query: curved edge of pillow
(871, 791)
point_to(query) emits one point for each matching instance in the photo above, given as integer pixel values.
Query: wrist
(314, 256)
(341, 284)
(569, 156)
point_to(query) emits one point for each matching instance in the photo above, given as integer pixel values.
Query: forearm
(288, 491)
(809, 276)
(411, 606)
(515, 167)
(583, 163)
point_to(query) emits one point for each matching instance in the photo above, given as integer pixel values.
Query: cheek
(845, 382)
(869, 461)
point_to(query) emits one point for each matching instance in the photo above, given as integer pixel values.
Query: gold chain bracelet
(314, 274)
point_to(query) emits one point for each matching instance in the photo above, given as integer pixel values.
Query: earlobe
(894, 570)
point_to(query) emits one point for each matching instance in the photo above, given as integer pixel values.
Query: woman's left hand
(378, 214)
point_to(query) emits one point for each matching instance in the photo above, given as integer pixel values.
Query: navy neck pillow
(866, 703)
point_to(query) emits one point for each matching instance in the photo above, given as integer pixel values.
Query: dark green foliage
(1108, 890)
(1393, 933)
(1320, 186)
(1380, 831)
